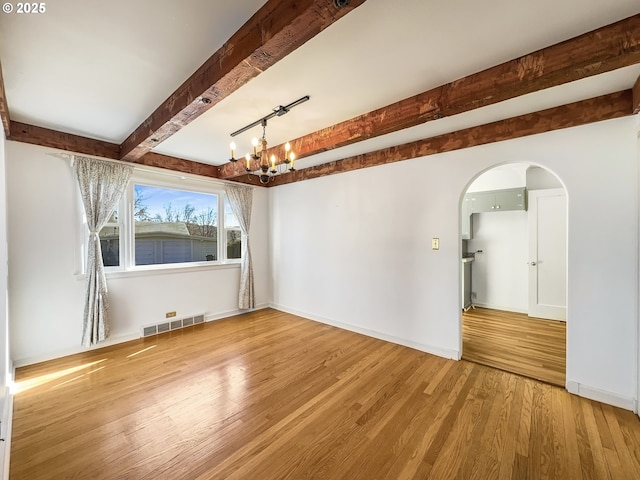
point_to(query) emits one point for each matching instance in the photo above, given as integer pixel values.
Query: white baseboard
(602, 396)
(575, 388)
(501, 307)
(440, 352)
(21, 362)
(209, 317)
(212, 317)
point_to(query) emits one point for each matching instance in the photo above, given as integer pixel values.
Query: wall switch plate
(435, 243)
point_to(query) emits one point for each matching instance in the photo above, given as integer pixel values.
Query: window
(174, 226)
(110, 241)
(233, 233)
(166, 221)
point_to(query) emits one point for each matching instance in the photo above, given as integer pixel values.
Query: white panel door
(548, 254)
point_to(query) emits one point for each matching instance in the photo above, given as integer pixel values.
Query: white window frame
(118, 223)
(126, 222)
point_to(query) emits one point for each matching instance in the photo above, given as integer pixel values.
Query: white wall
(637, 260)
(511, 175)
(5, 365)
(500, 275)
(46, 298)
(354, 249)
(541, 179)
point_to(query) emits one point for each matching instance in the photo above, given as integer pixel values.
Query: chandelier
(267, 167)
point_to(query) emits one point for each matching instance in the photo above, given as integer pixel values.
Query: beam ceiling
(22, 132)
(25, 133)
(605, 49)
(602, 50)
(276, 30)
(605, 107)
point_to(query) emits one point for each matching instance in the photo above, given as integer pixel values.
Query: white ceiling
(99, 68)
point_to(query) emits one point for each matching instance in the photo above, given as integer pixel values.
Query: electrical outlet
(170, 314)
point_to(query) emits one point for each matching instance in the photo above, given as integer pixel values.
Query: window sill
(167, 269)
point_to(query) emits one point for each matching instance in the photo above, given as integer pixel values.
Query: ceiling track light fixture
(267, 167)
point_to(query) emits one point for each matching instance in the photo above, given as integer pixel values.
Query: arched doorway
(513, 273)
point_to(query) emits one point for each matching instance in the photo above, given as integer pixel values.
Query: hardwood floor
(268, 395)
(514, 342)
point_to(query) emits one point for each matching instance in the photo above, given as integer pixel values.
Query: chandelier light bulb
(261, 161)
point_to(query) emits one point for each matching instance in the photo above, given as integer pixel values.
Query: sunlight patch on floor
(23, 386)
(71, 380)
(141, 351)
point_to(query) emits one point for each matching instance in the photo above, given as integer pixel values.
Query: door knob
(533, 264)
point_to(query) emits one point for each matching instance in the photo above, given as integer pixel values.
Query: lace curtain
(102, 184)
(240, 199)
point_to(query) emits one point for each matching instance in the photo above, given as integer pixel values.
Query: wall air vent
(164, 327)
(172, 325)
(152, 330)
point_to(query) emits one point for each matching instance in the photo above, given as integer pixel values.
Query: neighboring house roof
(161, 230)
(173, 228)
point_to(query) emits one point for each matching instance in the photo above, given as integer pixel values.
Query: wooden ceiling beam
(276, 30)
(175, 164)
(636, 96)
(248, 179)
(22, 132)
(4, 107)
(25, 133)
(602, 50)
(605, 107)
